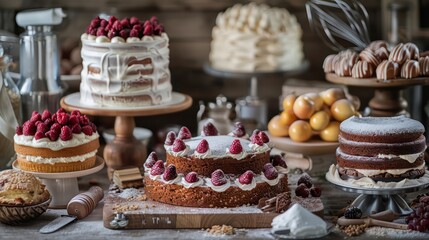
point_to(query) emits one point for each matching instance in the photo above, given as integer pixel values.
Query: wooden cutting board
(142, 213)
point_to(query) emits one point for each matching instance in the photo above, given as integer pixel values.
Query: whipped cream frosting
(182, 153)
(282, 170)
(237, 156)
(246, 187)
(221, 188)
(198, 183)
(155, 177)
(206, 154)
(273, 181)
(246, 136)
(300, 222)
(373, 172)
(259, 148)
(77, 140)
(43, 160)
(411, 158)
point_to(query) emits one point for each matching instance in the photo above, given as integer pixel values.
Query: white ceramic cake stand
(63, 186)
(374, 200)
(125, 150)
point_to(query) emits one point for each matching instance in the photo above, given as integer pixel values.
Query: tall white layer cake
(125, 63)
(253, 37)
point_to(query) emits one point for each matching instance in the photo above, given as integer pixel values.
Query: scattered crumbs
(354, 230)
(396, 233)
(124, 208)
(146, 206)
(153, 205)
(130, 193)
(142, 197)
(221, 230)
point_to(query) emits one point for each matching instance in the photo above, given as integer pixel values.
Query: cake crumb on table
(354, 230)
(221, 230)
(124, 208)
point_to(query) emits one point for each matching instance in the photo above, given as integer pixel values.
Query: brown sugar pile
(221, 230)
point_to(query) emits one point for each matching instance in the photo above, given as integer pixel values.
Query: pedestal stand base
(370, 204)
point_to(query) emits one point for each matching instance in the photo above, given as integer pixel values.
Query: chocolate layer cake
(214, 171)
(382, 148)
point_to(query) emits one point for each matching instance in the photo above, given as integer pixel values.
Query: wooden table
(92, 226)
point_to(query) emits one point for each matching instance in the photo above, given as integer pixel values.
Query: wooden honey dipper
(382, 219)
(84, 203)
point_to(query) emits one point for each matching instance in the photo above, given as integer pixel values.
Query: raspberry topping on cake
(178, 145)
(29, 128)
(202, 147)
(66, 133)
(18, 130)
(278, 160)
(239, 130)
(191, 177)
(169, 139)
(73, 119)
(218, 178)
(255, 133)
(62, 118)
(151, 160)
(35, 116)
(305, 179)
(236, 147)
(52, 134)
(41, 127)
(209, 129)
(56, 127)
(184, 133)
(39, 135)
(257, 140)
(170, 173)
(46, 115)
(264, 137)
(76, 128)
(157, 168)
(246, 178)
(87, 130)
(270, 172)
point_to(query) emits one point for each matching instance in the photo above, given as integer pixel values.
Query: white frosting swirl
(238, 156)
(246, 187)
(258, 148)
(155, 177)
(206, 154)
(281, 169)
(43, 160)
(246, 136)
(182, 153)
(117, 40)
(373, 172)
(77, 140)
(167, 147)
(172, 181)
(102, 39)
(133, 39)
(411, 158)
(188, 185)
(273, 181)
(221, 188)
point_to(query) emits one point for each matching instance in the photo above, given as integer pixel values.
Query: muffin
(22, 197)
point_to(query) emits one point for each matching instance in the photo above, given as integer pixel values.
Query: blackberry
(353, 213)
(306, 179)
(302, 191)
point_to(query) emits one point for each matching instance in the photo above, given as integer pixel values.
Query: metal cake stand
(63, 186)
(374, 200)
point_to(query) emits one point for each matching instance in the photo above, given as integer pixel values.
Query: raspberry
(54, 117)
(39, 135)
(83, 120)
(134, 33)
(42, 128)
(52, 135)
(125, 23)
(306, 179)
(66, 133)
(239, 130)
(29, 128)
(148, 30)
(202, 147)
(37, 122)
(151, 160)
(125, 33)
(154, 19)
(316, 191)
(101, 32)
(76, 129)
(158, 30)
(302, 191)
(18, 130)
(247, 177)
(112, 19)
(61, 110)
(218, 178)
(36, 116)
(169, 139)
(147, 23)
(87, 130)
(353, 213)
(134, 20)
(270, 172)
(112, 33)
(209, 129)
(257, 140)
(56, 127)
(73, 119)
(95, 22)
(235, 147)
(48, 122)
(170, 173)
(103, 23)
(178, 145)
(93, 31)
(157, 168)
(94, 128)
(191, 177)
(184, 133)
(63, 118)
(117, 26)
(138, 27)
(46, 114)
(278, 160)
(255, 132)
(76, 113)
(264, 137)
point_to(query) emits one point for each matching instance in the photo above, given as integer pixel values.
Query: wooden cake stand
(387, 100)
(63, 186)
(125, 150)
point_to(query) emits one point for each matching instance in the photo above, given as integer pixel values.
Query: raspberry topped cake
(387, 149)
(214, 170)
(58, 142)
(125, 63)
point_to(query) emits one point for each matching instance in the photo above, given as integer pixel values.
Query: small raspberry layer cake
(215, 171)
(125, 63)
(58, 142)
(387, 149)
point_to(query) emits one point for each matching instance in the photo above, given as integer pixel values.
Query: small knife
(79, 207)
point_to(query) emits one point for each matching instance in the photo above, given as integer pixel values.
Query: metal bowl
(15, 215)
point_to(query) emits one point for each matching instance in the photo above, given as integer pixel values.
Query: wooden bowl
(15, 215)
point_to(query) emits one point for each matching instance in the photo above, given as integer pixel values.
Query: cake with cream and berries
(125, 63)
(214, 170)
(58, 142)
(387, 149)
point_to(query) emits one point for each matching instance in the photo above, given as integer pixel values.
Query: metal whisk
(350, 25)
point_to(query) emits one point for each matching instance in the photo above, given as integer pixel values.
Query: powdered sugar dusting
(218, 144)
(381, 125)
